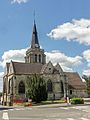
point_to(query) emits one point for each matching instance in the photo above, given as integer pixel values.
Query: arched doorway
(9, 86)
(49, 86)
(62, 89)
(21, 88)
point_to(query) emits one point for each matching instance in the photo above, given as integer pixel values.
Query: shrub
(77, 101)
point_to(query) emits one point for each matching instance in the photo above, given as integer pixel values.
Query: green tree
(36, 88)
(87, 79)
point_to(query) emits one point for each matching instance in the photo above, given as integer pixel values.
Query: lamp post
(66, 90)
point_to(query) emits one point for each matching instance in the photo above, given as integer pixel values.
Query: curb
(46, 106)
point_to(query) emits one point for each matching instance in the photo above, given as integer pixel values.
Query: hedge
(77, 101)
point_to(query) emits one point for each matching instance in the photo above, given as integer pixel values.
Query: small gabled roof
(7, 67)
(46, 67)
(58, 67)
(74, 80)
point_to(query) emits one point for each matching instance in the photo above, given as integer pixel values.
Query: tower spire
(34, 16)
(35, 54)
(34, 42)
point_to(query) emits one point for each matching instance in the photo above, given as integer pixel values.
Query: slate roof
(43, 68)
(34, 42)
(26, 68)
(74, 80)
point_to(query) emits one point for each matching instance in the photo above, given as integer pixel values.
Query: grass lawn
(52, 101)
(41, 103)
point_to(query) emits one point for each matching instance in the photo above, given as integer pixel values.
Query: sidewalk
(36, 106)
(53, 105)
(6, 107)
(87, 103)
(62, 105)
(45, 106)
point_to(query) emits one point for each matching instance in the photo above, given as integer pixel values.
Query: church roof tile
(74, 80)
(26, 68)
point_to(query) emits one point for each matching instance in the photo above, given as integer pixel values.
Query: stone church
(59, 83)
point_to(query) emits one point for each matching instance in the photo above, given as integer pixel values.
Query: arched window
(4, 87)
(21, 88)
(62, 89)
(9, 86)
(39, 58)
(35, 58)
(70, 92)
(49, 86)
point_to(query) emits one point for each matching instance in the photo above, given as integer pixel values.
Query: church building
(59, 83)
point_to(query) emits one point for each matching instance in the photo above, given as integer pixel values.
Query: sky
(63, 30)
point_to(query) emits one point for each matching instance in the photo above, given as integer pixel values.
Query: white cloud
(66, 62)
(0, 63)
(15, 55)
(86, 72)
(55, 56)
(18, 1)
(76, 30)
(67, 69)
(1, 75)
(86, 55)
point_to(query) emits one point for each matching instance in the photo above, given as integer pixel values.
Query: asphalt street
(47, 113)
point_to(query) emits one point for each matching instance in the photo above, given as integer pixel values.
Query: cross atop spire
(34, 16)
(34, 42)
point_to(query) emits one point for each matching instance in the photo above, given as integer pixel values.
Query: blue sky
(63, 30)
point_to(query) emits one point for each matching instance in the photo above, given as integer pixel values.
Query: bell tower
(35, 54)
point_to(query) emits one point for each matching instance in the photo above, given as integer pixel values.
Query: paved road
(47, 113)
